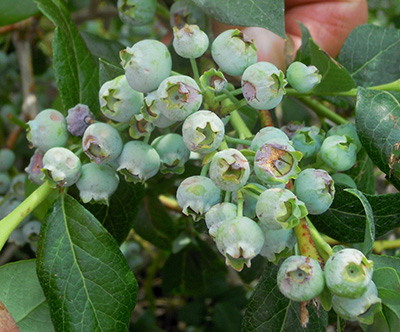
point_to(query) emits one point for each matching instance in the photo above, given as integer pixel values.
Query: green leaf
(388, 283)
(335, 77)
(21, 293)
(377, 123)
(386, 261)
(303, 53)
(108, 71)
(369, 237)
(86, 280)
(154, 224)
(268, 14)
(268, 310)
(12, 11)
(76, 71)
(363, 173)
(372, 55)
(118, 217)
(345, 220)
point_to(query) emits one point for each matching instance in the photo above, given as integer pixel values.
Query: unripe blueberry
(219, 213)
(348, 273)
(239, 240)
(31, 231)
(276, 163)
(263, 85)
(265, 135)
(78, 119)
(140, 127)
(196, 195)
(203, 132)
(229, 169)
(275, 241)
(152, 114)
(101, 143)
(291, 128)
(316, 189)
(338, 152)
(34, 169)
(190, 42)
(186, 12)
(279, 208)
(348, 130)
(147, 63)
(233, 52)
(7, 158)
(173, 153)
(47, 130)
(300, 278)
(17, 187)
(344, 180)
(136, 12)
(138, 162)
(97, 183)
(61, 167)
(308, 140)
(214, 80)
(178, 97)
(118, 101)
(5, 183)
(360, 309)
(301, 77)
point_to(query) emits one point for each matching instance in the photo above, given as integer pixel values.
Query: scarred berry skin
(301, 77)
(178, 97)
(34, 168)
(136, 12)
(93, 190)
(291, 128)
(7, 158)
(276, 241)
(196, 195)
(61, 167)
(173, 153)
(5, 183)
(316, 189)
(338, 152)
(279, 208)
(263, 85)
(300, 278)
(308, 140)
(101, 143)
(78, 119)
(229, 169)
(190, 42)
(239, 240)
(47, 130)
(218, 214)
(348, 273)
(348, 130)
(203, 132)
(118, 101)
(138, 162)
(147, 63)
(265, 135)
(360, 309)
(233, 52)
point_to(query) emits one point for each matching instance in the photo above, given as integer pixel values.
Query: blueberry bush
(156, 176)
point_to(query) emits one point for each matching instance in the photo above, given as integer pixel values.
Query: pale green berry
(190, 42)
(301, 77)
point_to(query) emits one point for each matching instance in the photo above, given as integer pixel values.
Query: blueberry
(138, 162)
(218, 214)
(186, 12)
(152, 114)
(5, 183)
(93, 190)
(61, 167)
(203, 132)
(279, 208)
(249, 203)
(291, 128)
(233, 52)
(308, 140)
(140, 127)
(7, 158)
(78, 119)
(178, 97)
(47, 130)
(136, 12)
(338, 152)
(190, 42)
(101, 143)
(263, 85)
(275, 241)
(229, 169)
(31, 231)
(348, 130)
(173, 153)
(301, 77)
(316, 189)
(348, 273)
(239, 240)
(118, 101)
(300, 278)
(265, 135)
(34, 169)
(147, 63)
(214, 80)
(17, 187)
(196, 195)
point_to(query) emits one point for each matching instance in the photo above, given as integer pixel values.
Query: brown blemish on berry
(249, 91)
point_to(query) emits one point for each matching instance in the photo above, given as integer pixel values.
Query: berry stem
(305, 241)
(323, 248)
(381, 245)
(227, 197)
(196, 75)
(323, 111)
(9, 223)
(14, 120)
(204, 169)
(121, 126)
(239, 125)
(240, 202)
(234, 140)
